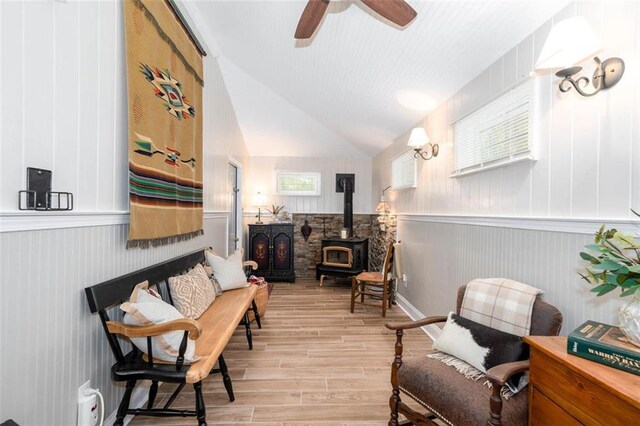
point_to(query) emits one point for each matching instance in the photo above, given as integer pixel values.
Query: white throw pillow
(144, 308)
(229, 272)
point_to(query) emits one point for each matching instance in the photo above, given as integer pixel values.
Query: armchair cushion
(452, 397)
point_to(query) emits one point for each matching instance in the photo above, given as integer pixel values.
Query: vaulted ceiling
(359, 82)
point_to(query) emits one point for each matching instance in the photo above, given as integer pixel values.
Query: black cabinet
(271, 247)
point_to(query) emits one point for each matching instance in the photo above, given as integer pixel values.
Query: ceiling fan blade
(310, 18)
(397, 11)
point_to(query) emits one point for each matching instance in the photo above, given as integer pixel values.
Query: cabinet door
(260, 250)
(282, 258)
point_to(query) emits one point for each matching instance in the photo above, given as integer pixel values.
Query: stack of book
(605, 344)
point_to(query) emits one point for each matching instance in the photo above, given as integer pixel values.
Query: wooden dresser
(567, 390)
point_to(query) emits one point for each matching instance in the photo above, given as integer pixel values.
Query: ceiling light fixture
(569, 42)
(419, 140)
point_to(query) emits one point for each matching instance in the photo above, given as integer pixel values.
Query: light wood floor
(313, 363)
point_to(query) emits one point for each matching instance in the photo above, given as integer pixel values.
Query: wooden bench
(211, 331)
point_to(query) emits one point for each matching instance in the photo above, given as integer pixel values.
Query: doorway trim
(239, 212)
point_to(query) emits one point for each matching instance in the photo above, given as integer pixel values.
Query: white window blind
(497, 133)
(298, 183)
(403, 171)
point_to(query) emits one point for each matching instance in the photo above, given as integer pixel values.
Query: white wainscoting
(51, 344)
(439, 257)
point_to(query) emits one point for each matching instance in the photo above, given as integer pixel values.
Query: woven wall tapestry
(164, 76)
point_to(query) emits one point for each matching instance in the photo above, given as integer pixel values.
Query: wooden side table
(567, 390)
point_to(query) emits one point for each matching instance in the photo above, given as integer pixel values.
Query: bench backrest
(117, 290)
(110, 293)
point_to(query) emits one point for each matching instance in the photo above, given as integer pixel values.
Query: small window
(403, 171)
(496, 134)
(298, 183)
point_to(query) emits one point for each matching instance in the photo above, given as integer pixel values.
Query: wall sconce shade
(419, 141)
(569, 42)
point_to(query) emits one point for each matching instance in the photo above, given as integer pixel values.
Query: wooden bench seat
(218, 324)
(211, 332)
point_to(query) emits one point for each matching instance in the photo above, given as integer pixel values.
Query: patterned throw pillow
(146, 308)
(192, 293)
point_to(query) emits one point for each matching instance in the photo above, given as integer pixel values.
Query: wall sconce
(259, 201)
(383, 210)
(571, 41)
(419, 140)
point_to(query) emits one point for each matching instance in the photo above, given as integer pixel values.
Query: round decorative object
(630, 320)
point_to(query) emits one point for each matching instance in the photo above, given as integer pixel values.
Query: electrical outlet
(405, 280)
(81, 389)
(88, 407)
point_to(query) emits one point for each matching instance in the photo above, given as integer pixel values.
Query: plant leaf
(603, 289)
(607, 265)
(587, 256)
(629, 291)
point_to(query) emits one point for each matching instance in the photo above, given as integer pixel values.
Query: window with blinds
(403, 171)
(496, 134)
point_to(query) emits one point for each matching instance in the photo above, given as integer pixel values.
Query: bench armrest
(414, 324)
(499, 374)
(182, 324)
(251, 263)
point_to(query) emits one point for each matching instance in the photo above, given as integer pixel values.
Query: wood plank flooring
(313, 363)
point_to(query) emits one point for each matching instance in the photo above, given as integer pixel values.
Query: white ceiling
(339, 91)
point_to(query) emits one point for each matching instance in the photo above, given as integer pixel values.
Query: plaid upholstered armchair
(450, 396)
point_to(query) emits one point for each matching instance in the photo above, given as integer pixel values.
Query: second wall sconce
(569, 42)
(420, 143)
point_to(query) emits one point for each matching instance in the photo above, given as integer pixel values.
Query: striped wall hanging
(164, 84)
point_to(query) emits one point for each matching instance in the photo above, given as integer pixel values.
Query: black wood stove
(344, 257)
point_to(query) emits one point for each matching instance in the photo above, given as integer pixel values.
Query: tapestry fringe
(156, 242)
(469, 371)
(167, 39)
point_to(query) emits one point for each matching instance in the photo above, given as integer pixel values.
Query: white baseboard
(432, 330)
(139, 397)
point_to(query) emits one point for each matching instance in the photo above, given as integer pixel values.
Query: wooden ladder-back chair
(449, 396)
(362, 283)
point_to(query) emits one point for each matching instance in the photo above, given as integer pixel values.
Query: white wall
(262, 178)
(63, 107)
(588, 166)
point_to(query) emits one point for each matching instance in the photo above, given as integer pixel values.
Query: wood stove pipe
(347, 184)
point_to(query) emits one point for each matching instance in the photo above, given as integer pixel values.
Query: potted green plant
(615, 264)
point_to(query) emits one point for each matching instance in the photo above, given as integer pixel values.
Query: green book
(605, 344)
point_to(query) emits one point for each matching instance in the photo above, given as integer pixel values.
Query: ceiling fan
(396, 11)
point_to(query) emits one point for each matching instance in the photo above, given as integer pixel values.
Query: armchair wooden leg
(495, 405)
(394, 401)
